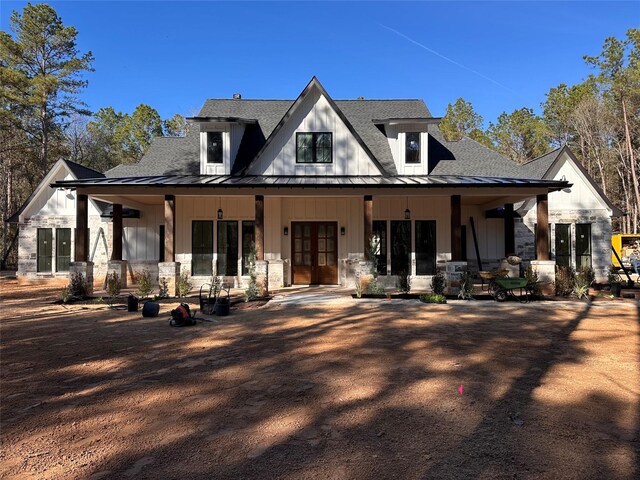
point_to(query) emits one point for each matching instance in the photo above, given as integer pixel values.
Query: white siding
(141, 236)
(315, 114)
(231, 138)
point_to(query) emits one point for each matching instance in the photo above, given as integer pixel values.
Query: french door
(314, 247)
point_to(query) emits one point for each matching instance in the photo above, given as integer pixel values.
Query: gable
(581, 195)
(314, 113)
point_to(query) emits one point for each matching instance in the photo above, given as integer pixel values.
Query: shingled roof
(538, 167)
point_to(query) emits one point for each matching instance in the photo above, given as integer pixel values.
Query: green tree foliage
(41, 74)
(520, 135)
(176, 126)
(460, 120)
(558, 110)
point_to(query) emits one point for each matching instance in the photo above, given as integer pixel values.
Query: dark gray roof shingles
(538, 167)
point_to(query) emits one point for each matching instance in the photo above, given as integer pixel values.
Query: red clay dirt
(357, 389)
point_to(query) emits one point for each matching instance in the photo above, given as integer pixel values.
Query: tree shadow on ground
(350, 392)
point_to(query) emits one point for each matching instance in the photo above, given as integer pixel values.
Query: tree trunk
(632, 162)
(44, 145)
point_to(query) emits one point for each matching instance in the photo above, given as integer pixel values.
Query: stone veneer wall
(28, 248)
(600, 236)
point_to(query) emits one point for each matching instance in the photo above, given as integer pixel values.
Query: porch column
(82, 223)
(368, 224)
(116, 265)
(169, 228)
(542, 227)
(81, 265)
(259, 227)
(509, 233)
(116, 249)
(456, 228)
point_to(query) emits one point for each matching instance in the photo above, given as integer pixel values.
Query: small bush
(66, 294)
(252, 290)
(183, 285)
(433, 298)
(374, 288)
(145, 287)
(584, 279)
(565, 281)
(77, 285)
(438, 283)
(114, 285)
(466, 286)
(532, 279)
(612, 276)
(403, 284)
(163, 291)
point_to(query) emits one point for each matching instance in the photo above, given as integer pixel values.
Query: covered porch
(312, 234)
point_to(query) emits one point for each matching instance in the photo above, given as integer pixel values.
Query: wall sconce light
(407, 214)
(286, 231)
(219, 214)
(343, 231)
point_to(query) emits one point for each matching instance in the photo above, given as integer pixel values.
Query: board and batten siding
(231, 137)
(314, 114)
(141, 236)
(397, 142)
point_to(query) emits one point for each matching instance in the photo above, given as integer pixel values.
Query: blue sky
(498, 55)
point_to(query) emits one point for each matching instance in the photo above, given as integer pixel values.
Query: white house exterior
(309, 182)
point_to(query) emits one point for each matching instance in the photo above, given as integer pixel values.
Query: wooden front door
(315, 252)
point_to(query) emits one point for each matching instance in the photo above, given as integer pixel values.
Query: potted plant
(614, 281)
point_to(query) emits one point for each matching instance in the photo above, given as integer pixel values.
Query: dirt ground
(357, 389)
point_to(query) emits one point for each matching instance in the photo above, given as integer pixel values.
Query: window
(412, 147)
(583, 246)
(214, 147)
(248, 242)
(380, 245)
(63, 249)
(227, 264)
(400, 247)
(314, 148)
(45, 249)
(201, 247)
(563, 244)
(425, 247)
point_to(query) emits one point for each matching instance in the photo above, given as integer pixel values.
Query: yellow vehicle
(623, 243)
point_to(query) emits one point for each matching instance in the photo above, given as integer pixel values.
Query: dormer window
(412, 147)
(214, 147)
(314, 147)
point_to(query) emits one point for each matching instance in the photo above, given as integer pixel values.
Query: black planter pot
(616, 289)
(222, 307)
(132, 303)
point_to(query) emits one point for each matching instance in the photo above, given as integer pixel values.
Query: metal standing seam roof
(231, 181)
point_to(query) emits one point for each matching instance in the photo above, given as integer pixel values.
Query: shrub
(565, 281)
(163, 289)
(359, 286)
(145, 287)
(438, 283)
(183, 285)
(252, 290)
(114, 285)
(433, 298)
(583, 280)
(66, 294)
(77, 285)
(466, 286)
(374, 288)
(403, 284)
(532, 279)
(612, 276)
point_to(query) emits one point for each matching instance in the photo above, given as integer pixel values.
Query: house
(309, 183)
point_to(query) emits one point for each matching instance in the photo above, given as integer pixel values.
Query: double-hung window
(314, 147)
(214, 147)
(412, 147)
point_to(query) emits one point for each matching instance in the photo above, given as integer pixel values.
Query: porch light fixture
(219, 214)
(407, 212)
(286, 231)
(343, 231)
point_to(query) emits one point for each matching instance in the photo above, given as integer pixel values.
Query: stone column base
(276, 273)
(453, 274)
(170, 271)
(546, 270)
(119, 267)
(262, 274)
(86, 270)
